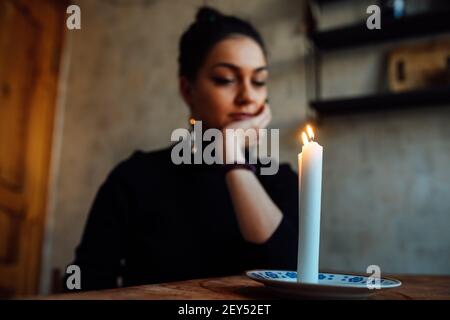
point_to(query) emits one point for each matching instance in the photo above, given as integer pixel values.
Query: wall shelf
(384, 101)
(430, 23)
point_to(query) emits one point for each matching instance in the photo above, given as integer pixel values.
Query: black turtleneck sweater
(153, 221)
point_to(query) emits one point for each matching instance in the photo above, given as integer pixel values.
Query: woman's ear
(186, 90)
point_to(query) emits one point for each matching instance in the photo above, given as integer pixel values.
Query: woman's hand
(234, 152)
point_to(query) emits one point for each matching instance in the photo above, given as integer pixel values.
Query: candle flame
(192, 121)
(305, 138)
(310, 132)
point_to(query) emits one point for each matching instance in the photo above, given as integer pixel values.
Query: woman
(153, 221)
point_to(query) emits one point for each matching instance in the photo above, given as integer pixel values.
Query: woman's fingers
(261, 123)
(257, 122)
(263, 120)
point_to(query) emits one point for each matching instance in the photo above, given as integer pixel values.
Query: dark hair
(209, 28)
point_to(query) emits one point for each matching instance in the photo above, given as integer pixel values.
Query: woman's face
(231, 84)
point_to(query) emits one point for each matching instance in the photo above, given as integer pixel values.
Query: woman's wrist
(234, 166)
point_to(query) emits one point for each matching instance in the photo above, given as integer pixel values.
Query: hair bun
(207, 15)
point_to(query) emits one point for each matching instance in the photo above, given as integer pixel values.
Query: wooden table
(242, 288)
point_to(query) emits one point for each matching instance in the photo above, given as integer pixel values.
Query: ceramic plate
(330, 285)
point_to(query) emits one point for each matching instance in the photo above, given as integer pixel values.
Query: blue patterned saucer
(330, 285)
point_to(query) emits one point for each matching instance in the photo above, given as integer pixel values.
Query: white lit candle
(310, 191)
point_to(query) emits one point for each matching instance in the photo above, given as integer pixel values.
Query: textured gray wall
(386, 192)
(386, 178)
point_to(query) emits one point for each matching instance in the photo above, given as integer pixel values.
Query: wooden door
(31, 37)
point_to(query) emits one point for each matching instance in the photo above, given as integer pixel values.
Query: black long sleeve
(102, 248)
(153, 221)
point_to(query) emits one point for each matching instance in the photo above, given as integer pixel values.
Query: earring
(193, 146)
